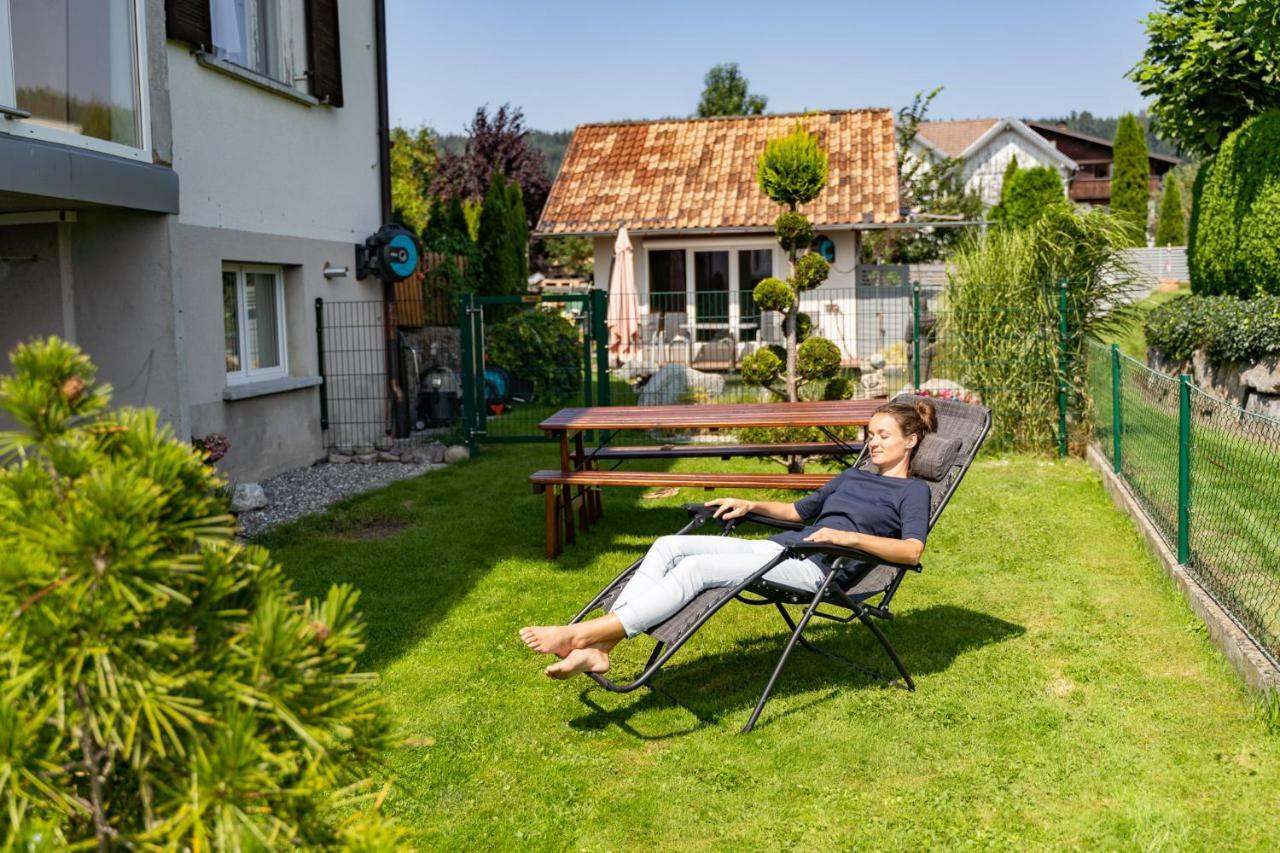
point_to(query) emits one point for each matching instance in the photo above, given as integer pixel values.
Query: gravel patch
(305, 491)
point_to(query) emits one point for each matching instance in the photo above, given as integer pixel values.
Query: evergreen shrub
(1028, 194)
(1129, 191)
(793, 230)
(1226, 328)
(1171, 227)
(772, 294)
(1234, 243)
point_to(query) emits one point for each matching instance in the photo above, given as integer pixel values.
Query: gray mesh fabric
(933, 459)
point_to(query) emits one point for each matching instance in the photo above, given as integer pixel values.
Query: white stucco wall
(252, 160)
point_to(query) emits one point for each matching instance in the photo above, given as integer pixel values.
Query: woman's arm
(886, 548)
(729, 508)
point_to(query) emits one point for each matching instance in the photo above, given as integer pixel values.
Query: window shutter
(188, 20)
(324, 55)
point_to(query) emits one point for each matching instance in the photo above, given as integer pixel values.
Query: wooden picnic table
(568, 426)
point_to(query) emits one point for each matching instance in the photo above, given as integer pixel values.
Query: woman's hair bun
(928, 414)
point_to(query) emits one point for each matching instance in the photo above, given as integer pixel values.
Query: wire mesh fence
(1207, 475)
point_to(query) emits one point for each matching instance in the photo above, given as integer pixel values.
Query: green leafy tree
(164, 687)
(792, 171)
(1029, 195)
(1233, 244)
(725, 94)
(1129, 189)
(1171, 229)
(572, 254)
(1209, 65)
(413, 162)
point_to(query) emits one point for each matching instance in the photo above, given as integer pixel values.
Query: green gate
(516, 418)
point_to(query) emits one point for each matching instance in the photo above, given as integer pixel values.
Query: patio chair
(941, 460)
(651, 339)
(677, 337)
(771, 328)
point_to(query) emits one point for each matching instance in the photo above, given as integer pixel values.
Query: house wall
(983, 172)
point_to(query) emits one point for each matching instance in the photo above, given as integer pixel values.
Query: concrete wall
(279, 431)
(30, 291)
(252, 160)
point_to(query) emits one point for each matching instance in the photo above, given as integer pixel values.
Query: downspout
(398, 420)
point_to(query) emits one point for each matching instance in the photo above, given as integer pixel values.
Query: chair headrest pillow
(934, 456)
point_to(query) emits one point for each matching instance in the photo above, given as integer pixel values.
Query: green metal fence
(1207, 475)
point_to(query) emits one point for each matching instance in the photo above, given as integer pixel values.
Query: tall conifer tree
(1129, 194)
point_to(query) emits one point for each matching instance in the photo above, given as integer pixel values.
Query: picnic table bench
(579, 479)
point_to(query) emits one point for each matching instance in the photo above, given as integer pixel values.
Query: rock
(434, 453)
(365, 458)
(387, 456)
(382, 442)
(343, 449)
(1264, 404)
(456, 453)
(338, 458)
(1264, 377)
(363, 449)
(247, 497)
(1220, 380)
(675, 383)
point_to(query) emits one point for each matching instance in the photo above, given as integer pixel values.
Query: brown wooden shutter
(324, 54)
(188, 20)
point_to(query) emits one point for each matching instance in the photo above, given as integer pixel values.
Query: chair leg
(888, 647)
(786, 652)
(818, 650)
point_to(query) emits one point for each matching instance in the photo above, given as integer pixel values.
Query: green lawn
(1133, 342)
(1067, 696)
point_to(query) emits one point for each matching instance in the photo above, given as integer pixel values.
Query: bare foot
(549, 639)
(579, 660)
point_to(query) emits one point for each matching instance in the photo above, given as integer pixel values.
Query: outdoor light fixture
(335, 272)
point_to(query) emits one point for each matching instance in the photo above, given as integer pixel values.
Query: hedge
(1234, 242)
(1226, 328)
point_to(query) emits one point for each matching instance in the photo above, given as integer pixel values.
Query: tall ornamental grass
(999, 330)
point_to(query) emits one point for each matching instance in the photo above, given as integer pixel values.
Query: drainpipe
(398, 420)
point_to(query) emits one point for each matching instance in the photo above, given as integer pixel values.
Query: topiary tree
(164, 687)
(1234, 242)
(1028, 195)
(1129, 188)
(1006, 180)
(791, 171)
(1171, 229)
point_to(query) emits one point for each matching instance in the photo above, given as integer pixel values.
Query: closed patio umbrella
(624, 312)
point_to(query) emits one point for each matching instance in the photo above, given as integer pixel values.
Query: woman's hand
(730, 508)
(825, 535)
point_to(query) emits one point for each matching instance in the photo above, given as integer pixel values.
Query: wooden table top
(715, 416)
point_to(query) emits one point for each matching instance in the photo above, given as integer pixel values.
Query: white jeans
(677, 568)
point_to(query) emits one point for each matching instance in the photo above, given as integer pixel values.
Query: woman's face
(886, 445)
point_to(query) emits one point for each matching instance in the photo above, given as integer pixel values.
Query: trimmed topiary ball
(761, 367)
(839, 388)
(772, 294)
(793, 230)
(793, 168)
(818, 358)
(804, 327)
(811, 270)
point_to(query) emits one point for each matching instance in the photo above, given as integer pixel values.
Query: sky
(567, 62)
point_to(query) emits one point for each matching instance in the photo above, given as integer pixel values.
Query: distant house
(180, 180)
(986, 145)
(1091, 183)
(700, 227)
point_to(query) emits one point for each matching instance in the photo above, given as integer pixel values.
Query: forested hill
(1104, 127)
(552, 145)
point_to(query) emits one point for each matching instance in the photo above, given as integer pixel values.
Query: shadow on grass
(714, 686)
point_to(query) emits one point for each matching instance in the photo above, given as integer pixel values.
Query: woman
(884, 514)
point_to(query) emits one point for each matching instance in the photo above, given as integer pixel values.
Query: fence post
(466, 303)
(600, 331)
(1184, 468)
(324, 380)
(1116, 419)
(915, 335)
(1062, 368)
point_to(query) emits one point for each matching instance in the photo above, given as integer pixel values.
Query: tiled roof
(954, 137)
(682, 174)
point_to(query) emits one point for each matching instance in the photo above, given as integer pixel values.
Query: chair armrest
(705, 511)
(805, 549)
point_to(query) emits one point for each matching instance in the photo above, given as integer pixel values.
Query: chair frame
(856, 606)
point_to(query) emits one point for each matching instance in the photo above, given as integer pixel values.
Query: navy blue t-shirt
(857, 500)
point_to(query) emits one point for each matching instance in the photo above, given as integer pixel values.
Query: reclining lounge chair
(941, 460)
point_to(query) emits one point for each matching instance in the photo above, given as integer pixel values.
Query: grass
(1067, 696)
(1133, 342)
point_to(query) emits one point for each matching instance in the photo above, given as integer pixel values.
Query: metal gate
(512, 414)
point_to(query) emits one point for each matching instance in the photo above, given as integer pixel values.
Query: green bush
(1028, 195)
(1226, 328)
(164, 686)
(999, 334)
(1234, 244)
(793, 231)
(793, 168)
(542, 347)
(771, 294)
(1171, 229)
(817, 358)
(762, 367)
(1129, 189)
(810, 271)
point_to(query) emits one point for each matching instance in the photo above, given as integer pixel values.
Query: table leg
(584, 500)
(566, 503)
(553, 523)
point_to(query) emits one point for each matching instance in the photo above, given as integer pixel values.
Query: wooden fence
(420, 298)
